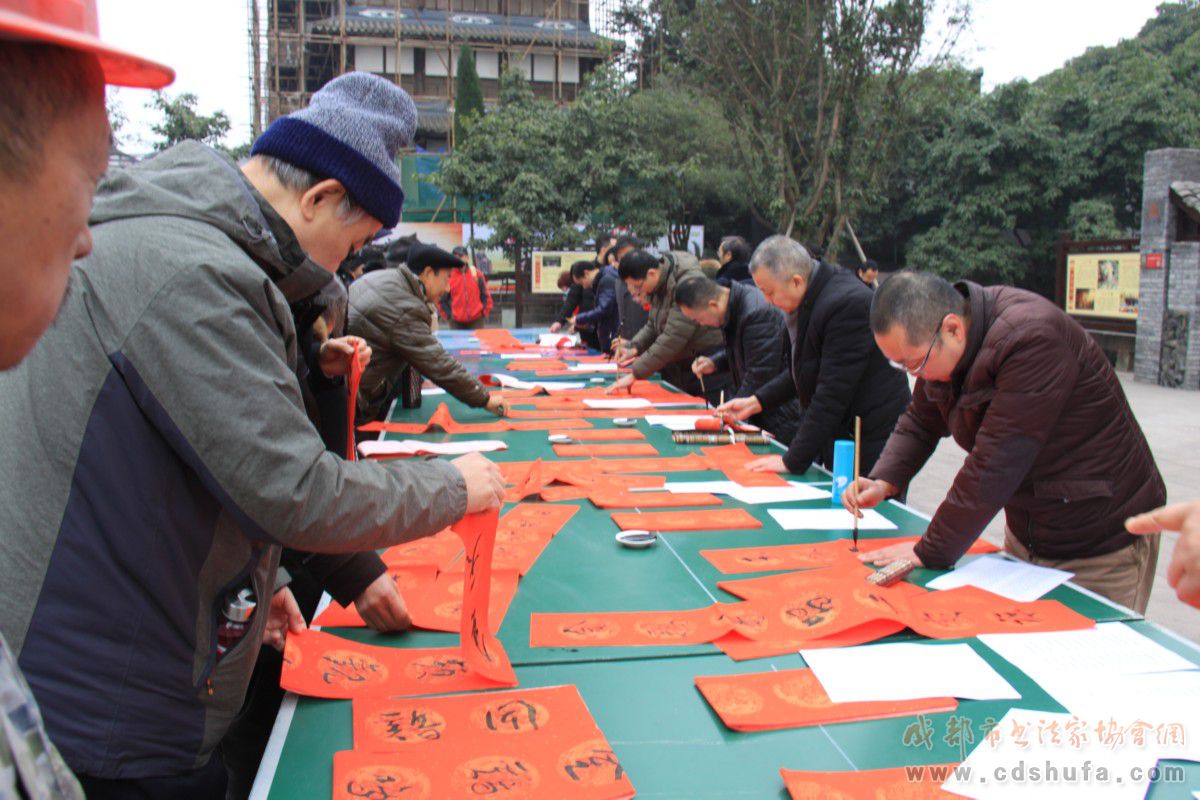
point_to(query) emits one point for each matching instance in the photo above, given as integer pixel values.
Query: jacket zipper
(210, 664)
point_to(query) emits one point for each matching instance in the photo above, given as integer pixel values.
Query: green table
(643, 698)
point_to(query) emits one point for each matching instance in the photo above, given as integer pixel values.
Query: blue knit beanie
(351, 131)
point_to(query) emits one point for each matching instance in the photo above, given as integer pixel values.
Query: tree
(514, 162)
(1001, 175)
(468, 95)
(181, 122)
(809, 87)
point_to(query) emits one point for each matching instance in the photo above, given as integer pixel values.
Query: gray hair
(301, 180)
(783, 257)
(917, 302)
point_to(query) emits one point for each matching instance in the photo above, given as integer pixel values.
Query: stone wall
(1168, 328)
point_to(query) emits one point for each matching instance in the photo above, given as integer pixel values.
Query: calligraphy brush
(857, 450)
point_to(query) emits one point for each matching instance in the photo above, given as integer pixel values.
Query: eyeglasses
(924, 361)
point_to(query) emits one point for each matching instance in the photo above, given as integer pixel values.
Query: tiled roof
(475, 27)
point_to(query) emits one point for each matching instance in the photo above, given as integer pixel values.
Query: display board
(1103, 285)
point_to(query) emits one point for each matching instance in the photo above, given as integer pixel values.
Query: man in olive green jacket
(391, 309)
(669, 341)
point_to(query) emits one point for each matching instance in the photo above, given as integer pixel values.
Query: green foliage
(513, 161)
(468, 95)
(1093, 219)
(813, 91)
(615, 156)
(181, 122)
(984, 191)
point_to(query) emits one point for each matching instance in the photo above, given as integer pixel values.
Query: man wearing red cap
(54, 142)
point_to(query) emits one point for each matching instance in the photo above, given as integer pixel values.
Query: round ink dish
(637, 540)
(560, 438)
(624, 422)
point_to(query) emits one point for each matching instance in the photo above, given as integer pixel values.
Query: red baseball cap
(74, 24)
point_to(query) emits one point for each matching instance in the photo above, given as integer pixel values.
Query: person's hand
(485, 486)
(617, 344)
(1183, 573)
(382, 607)
(866, 493)
(703, 365)
(767, 464)
(886, 555)
(625, 382)
(283, 617)
(556, 327)
(625, 354)
(497, 404)
(741, 408)
(334, 358)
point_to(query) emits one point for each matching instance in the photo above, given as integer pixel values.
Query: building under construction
(299, 45)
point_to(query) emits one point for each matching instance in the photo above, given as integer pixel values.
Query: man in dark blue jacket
(604, 316)
(837, 371)
(756, 343)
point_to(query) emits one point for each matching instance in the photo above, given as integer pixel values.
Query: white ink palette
(637, 540)
(625, 422)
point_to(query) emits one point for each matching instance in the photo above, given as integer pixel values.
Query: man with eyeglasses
(1050, 437)
(836, 371)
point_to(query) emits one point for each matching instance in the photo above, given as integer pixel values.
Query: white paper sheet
(1016, 580)
(617, 402)
(793, 492)
(1159, 698)
(1110, 648)
(828, 519)
(432, 391)
(712, 487)
(592, 367)
(676, 422)
(552, 339)
(413, 447)
(906, 671)
(509, 382)
(1091, 769)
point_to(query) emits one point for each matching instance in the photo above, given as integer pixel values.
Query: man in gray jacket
(669, 342)
(390, 309)
(156, 453)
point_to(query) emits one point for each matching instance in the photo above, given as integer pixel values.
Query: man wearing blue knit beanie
(158, 445)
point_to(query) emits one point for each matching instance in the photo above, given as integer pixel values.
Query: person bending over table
(756, 348)
(836, 371)
(155, 453)
(669, 342)
(391, 310)
(1049, 435)
(603, 320)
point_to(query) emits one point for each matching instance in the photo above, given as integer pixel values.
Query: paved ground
(1171, 421)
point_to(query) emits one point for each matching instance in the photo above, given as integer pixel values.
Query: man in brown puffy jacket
(1050, 436)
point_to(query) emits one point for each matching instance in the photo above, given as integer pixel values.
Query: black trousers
(206, 783)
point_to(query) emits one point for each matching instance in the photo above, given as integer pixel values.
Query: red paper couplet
(318, 664)
(737, 560)
(532, 744)
(970, 611)
(481, 649)
(627, 628)
(619, 498)
(353, 378)
(794, 698)
(599, 434)
(720, 519)
(594, 450)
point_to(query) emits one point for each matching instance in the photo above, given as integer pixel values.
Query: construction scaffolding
(296, 46)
